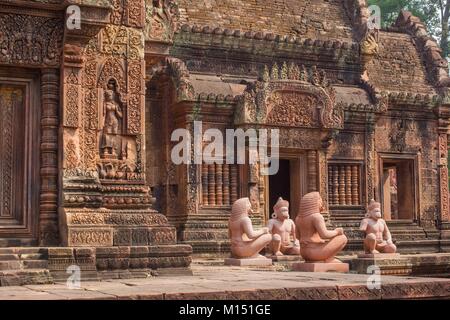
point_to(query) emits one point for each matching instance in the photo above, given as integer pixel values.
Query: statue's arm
(294, 233)
(248, 229)
(386, 233)
(363, 225)
(119, 112)
(322, 230)
(270, 225)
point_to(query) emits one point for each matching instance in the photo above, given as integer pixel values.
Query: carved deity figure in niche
(245, 242)
(317, 244)
(282, 228)
(378, 237)
(112, 126)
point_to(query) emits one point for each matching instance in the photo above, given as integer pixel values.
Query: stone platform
(23, 266)
(212, 283)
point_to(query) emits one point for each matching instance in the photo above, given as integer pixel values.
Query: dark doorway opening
(398, 189)
(279, 184)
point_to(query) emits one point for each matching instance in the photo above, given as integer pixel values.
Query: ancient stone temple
(92, 90)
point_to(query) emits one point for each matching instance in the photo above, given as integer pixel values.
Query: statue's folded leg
(276, 245)
(387, 248)
(291, 251)
(324, 252)
(251, 249)
(370, 243)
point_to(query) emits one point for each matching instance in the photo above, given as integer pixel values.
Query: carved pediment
(293, 97)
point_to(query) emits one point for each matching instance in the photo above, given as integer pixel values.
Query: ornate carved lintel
(306, 100)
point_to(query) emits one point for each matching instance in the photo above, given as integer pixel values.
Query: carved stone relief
(161, 20)
(307, 98)
(30, 40)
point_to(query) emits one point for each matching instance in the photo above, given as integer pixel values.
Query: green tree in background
(435, 14)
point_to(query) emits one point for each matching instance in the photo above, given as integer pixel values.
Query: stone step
(23, 250)
(25, 277)
(7, 251)
(32, 256)
(35, 264)
(9, 257)
(10, 265)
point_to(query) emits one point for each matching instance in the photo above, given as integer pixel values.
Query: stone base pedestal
(285, 258)
(388, 264)
(321, 267)
(256, 262)
(379, 255)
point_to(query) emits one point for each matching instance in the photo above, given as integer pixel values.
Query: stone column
(48, 218)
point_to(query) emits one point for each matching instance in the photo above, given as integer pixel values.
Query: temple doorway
(18, 197)
(398, 189)
(279, 184)
(289, 183)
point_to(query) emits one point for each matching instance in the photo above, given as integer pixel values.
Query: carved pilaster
(323, 177)
(443, 177)
(312, 171)
(370, 161)
(48, 219)
(335, 195)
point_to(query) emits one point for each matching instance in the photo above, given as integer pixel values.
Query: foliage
(434, 14)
